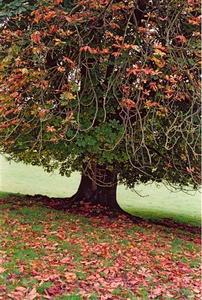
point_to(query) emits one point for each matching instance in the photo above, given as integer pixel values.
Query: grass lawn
(158, 202)
(51, 254)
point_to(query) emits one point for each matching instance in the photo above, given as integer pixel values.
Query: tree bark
(98, 186)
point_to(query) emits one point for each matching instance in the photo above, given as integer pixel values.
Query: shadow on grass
(25, 202)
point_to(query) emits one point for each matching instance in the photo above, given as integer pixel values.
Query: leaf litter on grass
(52, 254)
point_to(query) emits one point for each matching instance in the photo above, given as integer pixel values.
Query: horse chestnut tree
(109, 88)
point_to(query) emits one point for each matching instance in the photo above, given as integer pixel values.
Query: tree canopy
(113, 83)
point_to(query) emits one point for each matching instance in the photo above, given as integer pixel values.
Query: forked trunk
(98, 186)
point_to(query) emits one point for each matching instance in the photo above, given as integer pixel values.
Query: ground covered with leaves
(88, 253)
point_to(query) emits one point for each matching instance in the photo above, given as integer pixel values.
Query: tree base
(103, 193)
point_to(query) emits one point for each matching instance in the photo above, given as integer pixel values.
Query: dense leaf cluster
(114, 83)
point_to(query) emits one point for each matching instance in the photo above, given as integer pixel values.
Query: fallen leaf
(70, 276)
(32, 295)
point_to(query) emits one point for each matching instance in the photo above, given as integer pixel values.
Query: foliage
(12, 8)
(52, 254)
(114, 83)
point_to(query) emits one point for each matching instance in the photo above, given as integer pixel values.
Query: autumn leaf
(128, 103)
(190, 170)
(53, 29)
(162, 111)
(194, 20)
(58, 42)
(89, 49)
(116, 53)
(42, 113)
(50, 129)
(104, 51)
(160, 47)
(66, 260)
(69, 61)
(70, 277)
(114, 25)
(159, 53)
(31, 295)
(150, 103)
(49, 15)
(149, 71)
(37, 16)
(159, 62)
(69, 96)
(181, 39)
(57, 2)
(25, 71)
(61, 69)
(36, 37)
(142, 29)
(21, 289)
(134, 70)
(153, 86)
(14, 95)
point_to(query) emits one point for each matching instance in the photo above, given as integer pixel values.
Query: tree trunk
(98, 186)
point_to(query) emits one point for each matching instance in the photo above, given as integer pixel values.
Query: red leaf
(181, 39)
(36, 37)
(57, 2)
(89, 49)
(128, 103)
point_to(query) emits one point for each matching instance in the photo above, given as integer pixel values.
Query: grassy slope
(51, 254)
(158, 202)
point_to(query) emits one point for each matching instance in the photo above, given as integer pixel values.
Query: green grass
(7, 194)
(70, 297)
(62, 256)
(155, 214)
(157, 202)
(45, 285)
